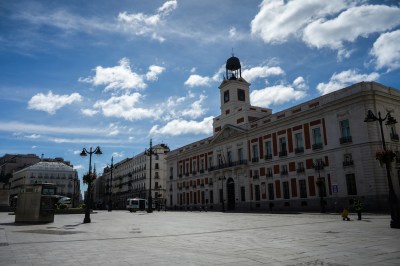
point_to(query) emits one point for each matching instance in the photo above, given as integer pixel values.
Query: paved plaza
(200, 238)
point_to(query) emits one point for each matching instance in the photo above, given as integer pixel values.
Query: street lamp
(318, 166)
(150, 153)
(393, 203)
(84, 153)
(110, 187)
(222, 178)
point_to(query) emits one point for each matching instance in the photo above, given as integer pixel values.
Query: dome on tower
(233, 68)
(233, 63)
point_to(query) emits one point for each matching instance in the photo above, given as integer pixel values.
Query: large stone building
(316, 155)
(58, 172)
(14, 162)
(130, 178)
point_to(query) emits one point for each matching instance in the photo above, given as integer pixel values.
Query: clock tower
(235, 104)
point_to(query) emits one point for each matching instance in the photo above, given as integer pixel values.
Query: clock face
(226, 96)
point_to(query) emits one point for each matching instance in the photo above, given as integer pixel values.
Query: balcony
(227, 165)
(268, 157)
(348, 163)
(187, 174)
(171, 177)
(394, 137)
(344, 140)
(299, 150)
(256, 176)
(202, 171)
(180, 175)
(284, 172)
(283, 153)
(194, 173)
(317, 146)
(300, 170)
(254, 159)
(269, 174)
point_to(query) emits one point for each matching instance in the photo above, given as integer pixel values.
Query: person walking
(358, 208)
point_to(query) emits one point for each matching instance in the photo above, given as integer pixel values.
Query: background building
(57, 172)
(316, 155)
(130, 178)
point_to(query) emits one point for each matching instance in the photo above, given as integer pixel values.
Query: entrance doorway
(230, 188)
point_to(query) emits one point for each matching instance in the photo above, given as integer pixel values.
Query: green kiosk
(36, 203)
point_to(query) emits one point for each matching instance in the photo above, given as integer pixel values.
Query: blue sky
(114, 74)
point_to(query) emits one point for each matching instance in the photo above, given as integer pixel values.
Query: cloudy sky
(114, 74)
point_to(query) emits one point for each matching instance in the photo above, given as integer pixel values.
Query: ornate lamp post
(318, 166)
(222, 178)
(89, 179)
(110, 192)
(150, 153)
(393, 203)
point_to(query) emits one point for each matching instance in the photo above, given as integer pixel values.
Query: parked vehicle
(136, 204)
(65, 200)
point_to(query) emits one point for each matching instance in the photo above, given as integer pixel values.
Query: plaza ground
(200, 238)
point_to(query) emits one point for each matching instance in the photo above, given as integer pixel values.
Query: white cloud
(117, 154)
(300, 83)
(146, 25)
(197, 80)
(180, 127)
(52, 102)
(154, 72)
(277, 20)
(125, 107)
(89, 112)
(355, 22)
(386, 50)
(261, 72)
(196, 109)
(33, 136)
(119, 77)
(79, 166)
(44, 129)
(232, 32)
(275, 95)
(344, 79)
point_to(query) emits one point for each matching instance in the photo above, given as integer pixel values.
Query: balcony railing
(347, 139)
(256, 176)
(348, 163)
(317, 146)
(269, 174)
(268, 157)
(282, 153)
(299, 150)
(201, 171)
(254, 159)
(300, 170)
(284, 172)
(394, 137)
(227, 165)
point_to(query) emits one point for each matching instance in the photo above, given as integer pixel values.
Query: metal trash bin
(36, 204)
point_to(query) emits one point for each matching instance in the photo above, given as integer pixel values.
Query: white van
(65, 200)
(136, 204)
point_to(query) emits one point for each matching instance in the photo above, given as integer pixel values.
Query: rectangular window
(351, 184)
(187, 169)
(298, 139)
(210, 162)
(240, 154)
(241, 95)
(171, 172)
(286, 192)
(229, 155)
(303, 189)
(221, 195)
(268, 150)
(269, 172)
(202, 166)
(282, 146)
(300, 167)
(271, 193)
(194, 166)
(345, 128)
(255, 153)
(317, 138)
(284, 170)
(211, 197)
(257, 192)
(242, 194)
(220, 160)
